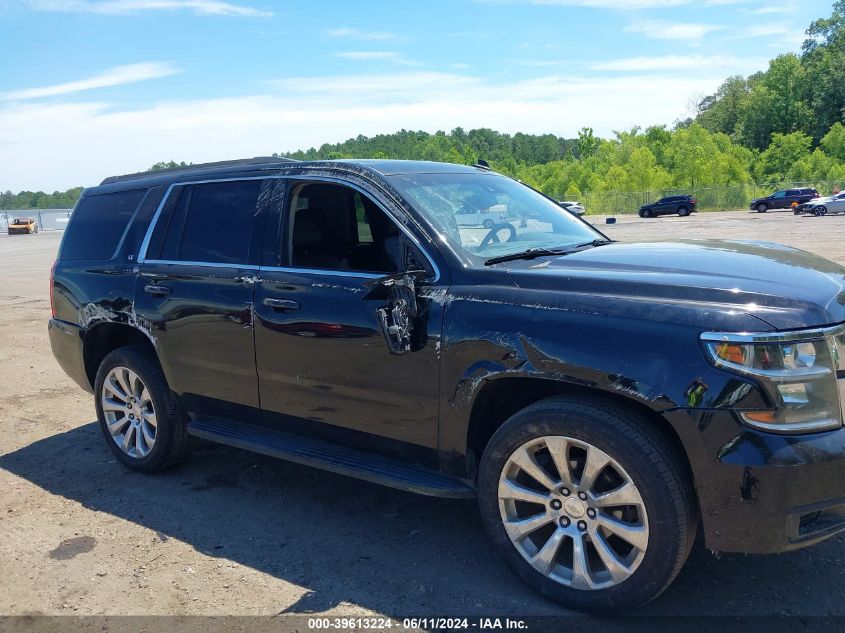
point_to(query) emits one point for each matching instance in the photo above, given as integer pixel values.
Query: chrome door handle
(157, 291)
(281, 304)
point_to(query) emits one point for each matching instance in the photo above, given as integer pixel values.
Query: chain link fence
(721, 198)
(47, 219)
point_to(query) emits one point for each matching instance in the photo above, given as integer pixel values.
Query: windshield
(487, 215)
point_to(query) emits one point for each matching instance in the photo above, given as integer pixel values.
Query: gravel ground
(236, 533)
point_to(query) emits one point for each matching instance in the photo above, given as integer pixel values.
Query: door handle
(281, 304)
(157, 291)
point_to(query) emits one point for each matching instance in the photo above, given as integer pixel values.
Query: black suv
(784, 199)
(670, 205)
(603, 401)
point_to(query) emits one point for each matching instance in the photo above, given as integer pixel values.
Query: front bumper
(761, 492)
(66, 343)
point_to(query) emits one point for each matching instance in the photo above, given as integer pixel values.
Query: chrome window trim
(142, 254)
(173, 262)
(323, 271)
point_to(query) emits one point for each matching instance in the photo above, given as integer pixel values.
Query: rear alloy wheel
(820, 211)
(683, 212)
(587, 502)
(647, 213)
(129, 412)
(762, 208)
(140, 420)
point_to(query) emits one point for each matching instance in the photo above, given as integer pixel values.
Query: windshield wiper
(531, 253)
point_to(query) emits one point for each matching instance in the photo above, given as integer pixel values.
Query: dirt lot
(237, 533)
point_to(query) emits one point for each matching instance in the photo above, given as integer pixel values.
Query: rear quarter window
(98, 223)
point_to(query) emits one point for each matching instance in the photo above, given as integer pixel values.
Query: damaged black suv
(602, 400)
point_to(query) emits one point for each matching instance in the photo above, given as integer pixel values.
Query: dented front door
(323, 354)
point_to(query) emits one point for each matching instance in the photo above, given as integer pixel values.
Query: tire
(762, 208)
(171, 443)
(683, 212)
(488, 224)
(648, 213)
(666, 530)
(820, 211)
(641, 214)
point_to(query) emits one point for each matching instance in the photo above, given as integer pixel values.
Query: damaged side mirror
(399, 317)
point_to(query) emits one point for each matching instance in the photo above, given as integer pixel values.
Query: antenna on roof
(482, 164)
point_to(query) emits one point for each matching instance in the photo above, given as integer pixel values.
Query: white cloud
(363, 36)
(770, 9)
(730, 63)
(665, 30)
(766, 30)
(380, 56)
(58, 145)
(117, 76)
(122, 7)
(631, 5)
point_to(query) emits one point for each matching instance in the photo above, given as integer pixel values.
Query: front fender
(496, 332)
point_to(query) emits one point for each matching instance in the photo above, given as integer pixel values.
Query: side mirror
(397, 318)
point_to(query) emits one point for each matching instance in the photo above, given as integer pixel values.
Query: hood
(784, 287)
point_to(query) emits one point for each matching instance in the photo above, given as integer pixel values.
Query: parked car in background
(486, 217)
(576, 208)
(23, 225)
(784, 199)
(823, 206)
(670, 205)
(603, 401)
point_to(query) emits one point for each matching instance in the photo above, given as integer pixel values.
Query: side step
(333, 457)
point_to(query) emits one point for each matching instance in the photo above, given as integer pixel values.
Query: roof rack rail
(258, 160)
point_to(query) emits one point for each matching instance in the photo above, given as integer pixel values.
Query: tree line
(776, 127)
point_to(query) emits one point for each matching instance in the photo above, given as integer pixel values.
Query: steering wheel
(493, 236)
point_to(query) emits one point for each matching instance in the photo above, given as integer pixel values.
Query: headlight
(803, 373)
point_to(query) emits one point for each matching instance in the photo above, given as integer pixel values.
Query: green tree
(777, 161)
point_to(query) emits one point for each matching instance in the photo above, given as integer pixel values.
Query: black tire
(820, 211)
(655, 468)
(642, 214)
(488, 224)
(648, 213)
(762, 208)
(172, 442)
(683, 212)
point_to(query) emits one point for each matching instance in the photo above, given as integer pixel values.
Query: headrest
(306, 229)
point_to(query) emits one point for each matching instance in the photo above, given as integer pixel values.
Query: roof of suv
(380, 166)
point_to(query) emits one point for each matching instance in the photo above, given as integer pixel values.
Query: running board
(332, 457)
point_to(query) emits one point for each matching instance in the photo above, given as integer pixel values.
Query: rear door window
(213, 223)
(98, 223)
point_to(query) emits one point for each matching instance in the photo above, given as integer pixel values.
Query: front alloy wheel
(573, 512)
(129, 412)
(588, 502)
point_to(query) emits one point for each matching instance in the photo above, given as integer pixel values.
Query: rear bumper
(761, 492)
(66, 343)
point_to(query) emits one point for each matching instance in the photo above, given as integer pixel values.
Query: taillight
(694, 201)
(52, 303)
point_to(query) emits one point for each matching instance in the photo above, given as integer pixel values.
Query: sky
(93, 88)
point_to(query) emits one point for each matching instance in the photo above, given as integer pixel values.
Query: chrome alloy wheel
(573, 512)
(129, 412)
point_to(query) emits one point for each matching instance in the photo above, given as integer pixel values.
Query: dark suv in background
(603, 401)
(670, 205)
(784, 199)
